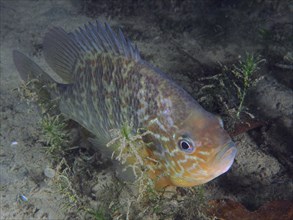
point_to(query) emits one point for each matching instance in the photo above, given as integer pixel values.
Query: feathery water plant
(54, 133)
(244, 72)
(131, 152)
(229, 89)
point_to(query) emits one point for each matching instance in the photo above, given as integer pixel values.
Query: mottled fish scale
(108, 90)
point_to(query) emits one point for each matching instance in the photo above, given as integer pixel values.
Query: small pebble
(14, 143)
(49, 172)
(23, 197)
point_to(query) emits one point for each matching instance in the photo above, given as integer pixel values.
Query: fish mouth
(225, 157)
(222, 163)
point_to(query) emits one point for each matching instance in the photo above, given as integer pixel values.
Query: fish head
(203, 150)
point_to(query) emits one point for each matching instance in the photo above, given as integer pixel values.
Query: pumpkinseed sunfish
(106, 84)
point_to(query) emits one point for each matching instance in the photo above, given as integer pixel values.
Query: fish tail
(29, 70)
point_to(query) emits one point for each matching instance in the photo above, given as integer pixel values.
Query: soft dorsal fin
(60, 52)
(61, 49)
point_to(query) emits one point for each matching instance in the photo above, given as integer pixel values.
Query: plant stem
(241, 103)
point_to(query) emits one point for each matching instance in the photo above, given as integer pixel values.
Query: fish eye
(186, 145)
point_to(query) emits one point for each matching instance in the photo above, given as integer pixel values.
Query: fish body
(106, 84)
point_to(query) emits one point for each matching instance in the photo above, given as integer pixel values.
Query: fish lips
(225, 158)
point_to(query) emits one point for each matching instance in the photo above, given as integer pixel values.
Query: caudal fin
(29, 70)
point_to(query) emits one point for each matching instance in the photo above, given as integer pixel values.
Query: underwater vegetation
(54, 133)
(64, 184)
(98, 214)
(130, 152)
(244, 72)
(230, 87)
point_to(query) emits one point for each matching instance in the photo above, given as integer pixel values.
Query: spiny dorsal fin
(102, 39)
(61, 49)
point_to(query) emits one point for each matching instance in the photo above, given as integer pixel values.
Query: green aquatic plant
(130, 150)
(28, 92)
(228, 89)
(54, 133)
(127, 144)
(128, 147)
(98, 214)
(244, 72)
(32, 91)
(264, 34)
(65, 185)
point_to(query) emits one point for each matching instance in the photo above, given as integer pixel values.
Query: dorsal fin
(62, 49)
(60, 52)
(102, 39)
